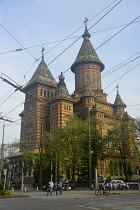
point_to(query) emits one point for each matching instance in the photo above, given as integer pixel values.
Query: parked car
(117, 185)
(69, 184)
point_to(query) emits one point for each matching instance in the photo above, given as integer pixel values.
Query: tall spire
(118, 100)
(87, 52)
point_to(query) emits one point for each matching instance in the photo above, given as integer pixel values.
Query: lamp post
(89, 141)
(2, 146)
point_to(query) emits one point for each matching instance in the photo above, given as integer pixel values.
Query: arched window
(41, 92)
(48, 94)
(45, 93)
(51, 94)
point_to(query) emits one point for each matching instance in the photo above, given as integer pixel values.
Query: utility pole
(89, 141)
(2, 145)
(18, 87)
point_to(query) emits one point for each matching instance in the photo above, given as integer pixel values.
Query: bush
(5, 192)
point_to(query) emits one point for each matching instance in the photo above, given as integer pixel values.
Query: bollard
(37, 188)
(12, 189)
(25, 189)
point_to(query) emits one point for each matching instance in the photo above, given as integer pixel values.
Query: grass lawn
(12, 196)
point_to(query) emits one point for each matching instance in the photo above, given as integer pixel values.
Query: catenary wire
(16, 40)
(43, 44)
(67, 37)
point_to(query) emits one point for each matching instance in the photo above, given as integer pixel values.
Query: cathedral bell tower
(87, 69)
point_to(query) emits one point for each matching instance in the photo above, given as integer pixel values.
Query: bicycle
(101, 191)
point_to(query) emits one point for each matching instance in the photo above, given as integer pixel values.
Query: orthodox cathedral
(54, 103)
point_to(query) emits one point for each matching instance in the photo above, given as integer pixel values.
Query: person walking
(49, 190)
(60, 187)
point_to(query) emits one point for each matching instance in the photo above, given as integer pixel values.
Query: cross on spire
(43, 49)
(85, 22)
(117, 87)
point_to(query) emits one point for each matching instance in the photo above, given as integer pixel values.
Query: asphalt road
(72, 200)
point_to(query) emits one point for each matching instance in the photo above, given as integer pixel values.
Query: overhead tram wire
(105, 43)
(122, 75)
(80, 37)
(60, 41)
(16, 40)
(68, 36)
(12, 89)
(109, 40)
(43, 44)
(88, 29)
(120, 64)
(13, 109)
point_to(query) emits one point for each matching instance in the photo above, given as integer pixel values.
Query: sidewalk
(73, 193)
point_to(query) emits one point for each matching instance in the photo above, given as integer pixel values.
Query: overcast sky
(34, 24)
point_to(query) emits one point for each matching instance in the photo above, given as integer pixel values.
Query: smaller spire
(43, 49)
(118, 100)
(61, 78)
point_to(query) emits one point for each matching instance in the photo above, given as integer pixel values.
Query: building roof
(87, 52)
(61, 91)
(118, 100)
(42, 75)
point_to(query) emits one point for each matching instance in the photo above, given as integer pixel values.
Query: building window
(48, 94)
(51, 94)
(45, 93)
(82, 80)
(41, 92)
(41, 130)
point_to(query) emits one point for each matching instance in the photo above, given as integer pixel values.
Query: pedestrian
(51, 184)
(49, 190)
(56, 188)
(60, 187)
(67, 185)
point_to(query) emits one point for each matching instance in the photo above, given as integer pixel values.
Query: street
(72, 200)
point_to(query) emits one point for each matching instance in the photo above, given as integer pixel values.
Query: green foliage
(68, 144)
(1, 186)
(5, 192)
(122, 144)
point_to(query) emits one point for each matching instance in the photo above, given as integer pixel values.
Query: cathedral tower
(87, 69)
(35, 116)
(61, 105)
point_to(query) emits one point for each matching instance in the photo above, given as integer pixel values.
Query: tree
(68, 143)
(123, 144)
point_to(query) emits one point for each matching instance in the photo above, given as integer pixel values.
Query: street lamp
(2, 148)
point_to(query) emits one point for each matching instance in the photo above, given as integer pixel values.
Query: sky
(33, 24)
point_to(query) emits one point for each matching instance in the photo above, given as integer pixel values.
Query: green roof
(118, 100)
(42, 75)
(61, 91)
(87, 53)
